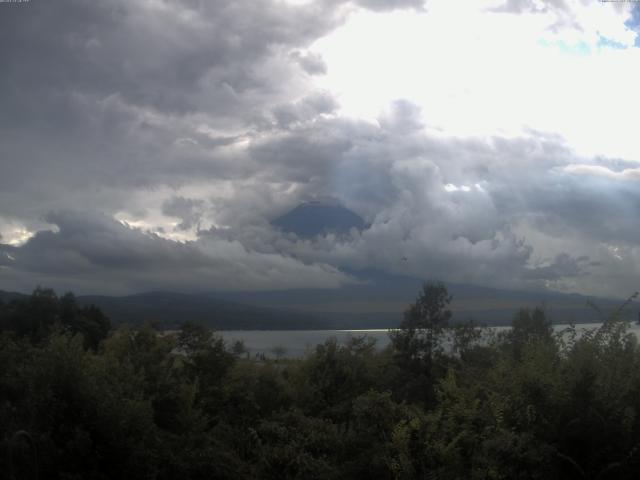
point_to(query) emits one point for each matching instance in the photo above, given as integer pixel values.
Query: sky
(148, 144)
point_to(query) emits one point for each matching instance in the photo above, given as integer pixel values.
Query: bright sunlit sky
(476, 73)
(148, 144)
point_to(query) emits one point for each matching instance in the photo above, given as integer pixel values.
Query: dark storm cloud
(558, 201)
(85, 242)
(312, 63)
(396, 177)
(93, 252)
(159, 54)
(112, 94)
(188, 210)
(304, 110)
(562, 266)
(199, 117)
(450, 204)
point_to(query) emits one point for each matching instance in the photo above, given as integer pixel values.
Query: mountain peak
(319, 218)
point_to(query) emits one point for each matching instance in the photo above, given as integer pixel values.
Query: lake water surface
(296, 343)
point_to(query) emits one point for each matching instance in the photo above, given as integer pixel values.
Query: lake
(296, 343)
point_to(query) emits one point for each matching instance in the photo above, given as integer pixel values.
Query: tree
(42, 313)
(239, 348)
(419, 339)
(207, 362)
(194, 337)
(89, 320)
(529, 328)
(279, 351)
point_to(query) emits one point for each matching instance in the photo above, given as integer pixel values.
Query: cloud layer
(147, 145)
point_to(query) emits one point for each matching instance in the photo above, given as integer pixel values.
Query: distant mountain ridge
(170, 310)
(378, 302)
(8, 296)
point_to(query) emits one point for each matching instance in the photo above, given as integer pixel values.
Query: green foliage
(37, 316)
(81, 402)
(334, 375)
(528, 328)
(417, 344)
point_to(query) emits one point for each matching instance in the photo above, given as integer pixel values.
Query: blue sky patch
(607, 42)
(634, 23)
(579, 48)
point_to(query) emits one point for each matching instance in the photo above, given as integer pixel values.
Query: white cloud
(474, 72)
(482, 140)
(599, 170)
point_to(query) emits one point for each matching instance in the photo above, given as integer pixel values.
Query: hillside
(378, 302)
(171, 309)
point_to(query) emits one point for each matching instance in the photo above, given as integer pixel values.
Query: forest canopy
(81, 400)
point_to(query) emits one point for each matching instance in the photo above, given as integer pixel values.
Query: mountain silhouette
(317, 218)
